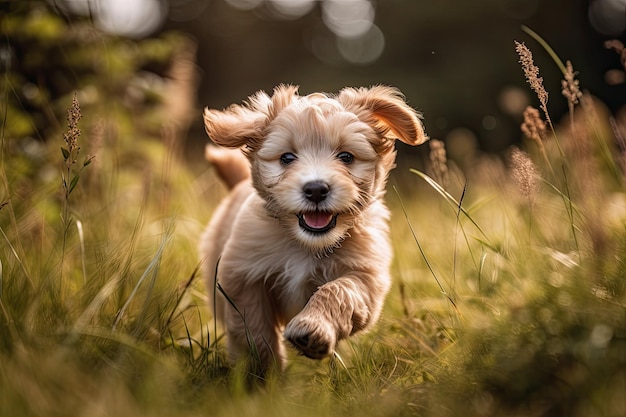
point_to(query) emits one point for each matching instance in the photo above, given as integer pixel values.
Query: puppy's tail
(231, 164)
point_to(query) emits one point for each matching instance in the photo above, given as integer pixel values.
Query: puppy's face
(317, 170)
(318, 161)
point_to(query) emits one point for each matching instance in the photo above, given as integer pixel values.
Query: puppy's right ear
(245, 124)
(238, 125)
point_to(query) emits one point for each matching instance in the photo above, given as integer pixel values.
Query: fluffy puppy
(300, 246)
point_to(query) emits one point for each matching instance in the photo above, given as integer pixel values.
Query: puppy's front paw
(314, 337)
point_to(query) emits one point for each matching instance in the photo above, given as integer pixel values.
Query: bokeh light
(608, 17)
(291, 9)
(489, 122)
(363, 49)
(513, 100)
(348, 35)
(135, 19)
(244, 4)
(129, 18)
(348, 18)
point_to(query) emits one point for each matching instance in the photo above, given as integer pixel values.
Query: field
(509, 295)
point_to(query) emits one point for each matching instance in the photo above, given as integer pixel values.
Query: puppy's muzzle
(316, 221)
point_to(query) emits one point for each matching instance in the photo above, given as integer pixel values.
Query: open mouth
(317, 221)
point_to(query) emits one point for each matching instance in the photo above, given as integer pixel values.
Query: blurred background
(454, 59)
(100, 313)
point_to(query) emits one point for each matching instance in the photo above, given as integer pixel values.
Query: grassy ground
(514, 304)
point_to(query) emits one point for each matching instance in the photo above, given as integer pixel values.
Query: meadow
(509, 295)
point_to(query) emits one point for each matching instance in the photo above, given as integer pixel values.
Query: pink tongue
(317, 219)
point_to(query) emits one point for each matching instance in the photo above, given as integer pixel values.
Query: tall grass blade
(217, 265)
(545, 46)
(121, 338)
(19, 260)
(419, 246)
(94, 306)
(215, 338)
(180, 297)
(202, 337)
(570, 208)
(151, 270)
(126, 268)
(456, 205)
(6, 313)
(483, 258)
(458, 225)
(337, 357)
(81, 239)
(190, 340)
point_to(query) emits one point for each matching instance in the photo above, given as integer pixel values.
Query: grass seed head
(73, 132)
(438, 162)
(531, 71)
(533, 126)
(525, 174)
(570, 85)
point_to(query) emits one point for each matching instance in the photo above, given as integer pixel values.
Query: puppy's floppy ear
(237, 125)
(244, 124)
(385, 109)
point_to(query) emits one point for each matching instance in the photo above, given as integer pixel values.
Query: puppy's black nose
(316, 191)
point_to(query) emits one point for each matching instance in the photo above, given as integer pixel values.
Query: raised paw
(314, 337)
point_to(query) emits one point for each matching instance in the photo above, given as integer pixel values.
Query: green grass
(500, 305)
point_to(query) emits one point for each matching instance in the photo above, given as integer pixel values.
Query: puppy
(300, 246)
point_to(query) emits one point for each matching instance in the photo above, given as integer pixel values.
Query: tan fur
(305, 279)
(230, 164)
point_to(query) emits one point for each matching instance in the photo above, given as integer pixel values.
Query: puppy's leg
(335, 311)
(253, 329)
(231, 165)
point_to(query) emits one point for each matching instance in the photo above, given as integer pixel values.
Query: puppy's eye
(346, 157)
(287, 158)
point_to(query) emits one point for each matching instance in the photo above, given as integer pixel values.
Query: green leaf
(73, 183)
(66, 153)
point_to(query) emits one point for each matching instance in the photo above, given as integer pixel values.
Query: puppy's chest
(293, 286)
(305, 274)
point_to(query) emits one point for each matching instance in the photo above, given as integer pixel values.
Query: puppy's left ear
(384, 108)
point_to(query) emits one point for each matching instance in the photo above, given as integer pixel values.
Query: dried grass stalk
(620, 140)
(438, 162)
(531, 71)
(570, 86)
(73, 132)
(525, 174)
(71, 150)
(534, 128)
